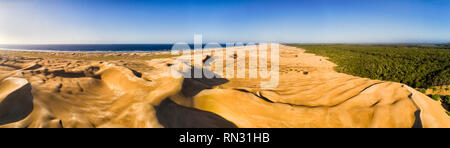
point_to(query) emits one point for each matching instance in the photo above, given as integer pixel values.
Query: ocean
(94, 47)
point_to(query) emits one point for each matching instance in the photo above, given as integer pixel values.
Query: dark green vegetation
(419, 66)
(422, 90)
(446, 99)
(446, 103)
(436, 97)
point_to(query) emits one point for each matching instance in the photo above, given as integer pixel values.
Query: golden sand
(137, 90)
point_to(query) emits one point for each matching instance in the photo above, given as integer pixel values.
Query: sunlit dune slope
(16, 101)
(50, 92)
(312, 94)
(69, 93)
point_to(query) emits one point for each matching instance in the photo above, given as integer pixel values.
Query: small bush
(436, 97)
(434, 89)
(448, 113)
(422, 91)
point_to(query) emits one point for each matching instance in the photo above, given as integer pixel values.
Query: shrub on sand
(422, 90)
(436, 97)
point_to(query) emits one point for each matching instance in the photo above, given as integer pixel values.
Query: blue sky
(169, 21)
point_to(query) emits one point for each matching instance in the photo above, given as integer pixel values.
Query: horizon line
(228, 43)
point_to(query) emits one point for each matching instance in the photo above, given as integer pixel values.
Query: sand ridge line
(132, 93)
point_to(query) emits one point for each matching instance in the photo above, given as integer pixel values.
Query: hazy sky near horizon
(169, 21)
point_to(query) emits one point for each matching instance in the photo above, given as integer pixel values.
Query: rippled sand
(132, 90)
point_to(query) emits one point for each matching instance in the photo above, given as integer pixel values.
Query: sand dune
(16, 101)
(52, 92)
(90, 94)
(312, 94)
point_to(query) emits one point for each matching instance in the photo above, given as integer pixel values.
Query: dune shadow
(35, 66)
(444, 104)
(418, 120)
(17, 105)
(192, 86)
(89, 72)
(172, 115)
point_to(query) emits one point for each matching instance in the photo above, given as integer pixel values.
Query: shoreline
(32, 50)
(191, 47)
(89, 56)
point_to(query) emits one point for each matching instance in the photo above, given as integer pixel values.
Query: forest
(419, 66)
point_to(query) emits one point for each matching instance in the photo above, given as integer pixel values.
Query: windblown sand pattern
(56, 92)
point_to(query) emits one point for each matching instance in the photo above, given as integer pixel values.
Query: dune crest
(312, 94)
(90, 94)
(16, 101)
(65, 93)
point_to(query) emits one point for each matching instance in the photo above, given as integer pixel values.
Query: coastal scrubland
(415, 65)
(425, 67)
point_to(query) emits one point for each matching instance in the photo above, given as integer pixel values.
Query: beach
(138, 90)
